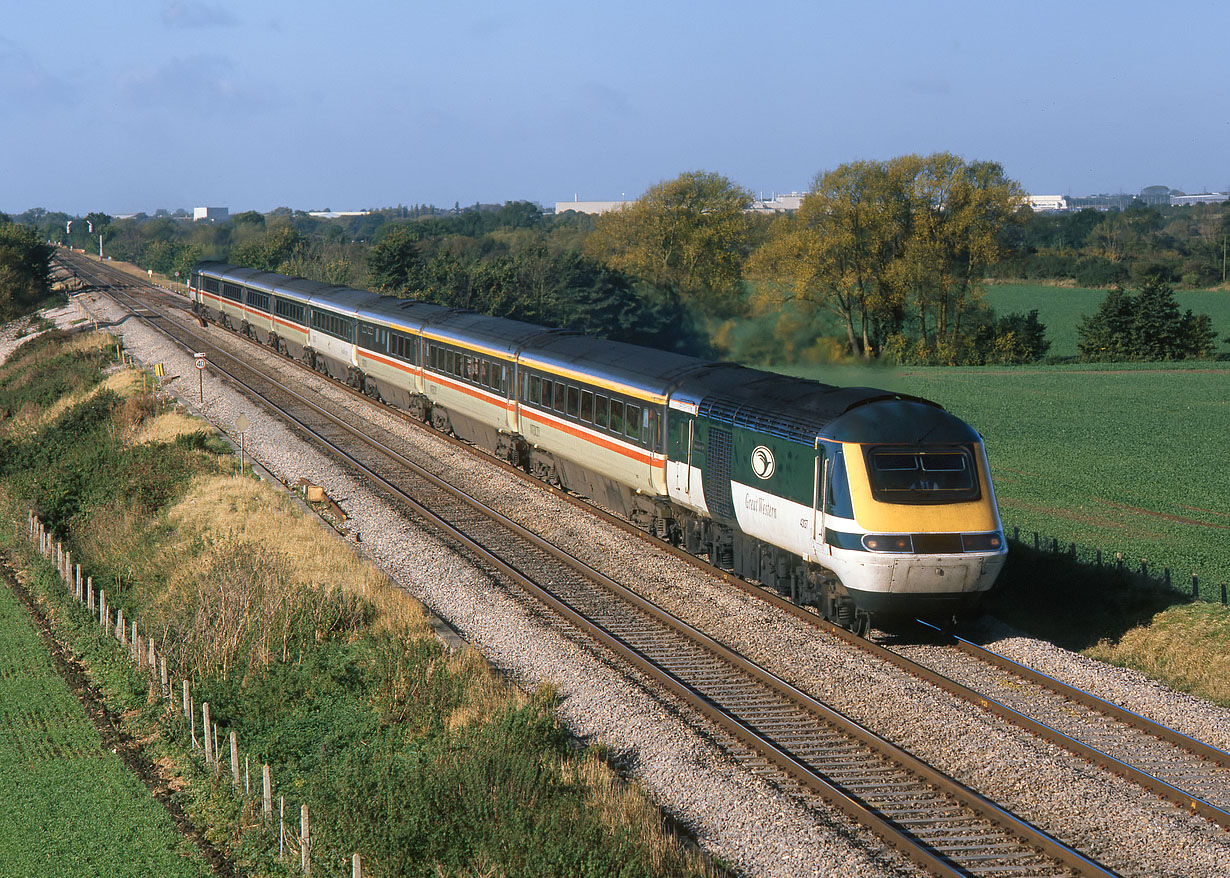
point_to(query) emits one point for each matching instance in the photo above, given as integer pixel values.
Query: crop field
(1128, 459)
(1061, 309)
(67, 806)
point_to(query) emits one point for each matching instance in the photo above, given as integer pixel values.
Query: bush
(1147, 326)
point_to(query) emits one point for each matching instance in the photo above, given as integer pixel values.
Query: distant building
(210, 214)
(588, 206)
(334, 214)
(1038, 203)
(1155, 195)
(1103, 201)
(778, 203)
(1202, 198)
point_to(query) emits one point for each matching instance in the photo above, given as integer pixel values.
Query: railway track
(769, 724)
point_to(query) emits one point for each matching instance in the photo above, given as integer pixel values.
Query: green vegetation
(67, 804)
(1093, 248)
(1061, 309)
(421, 759)
(1146, 326)
(25, 270)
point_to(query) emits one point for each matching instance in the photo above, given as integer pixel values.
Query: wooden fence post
(266, 793)
(187, 709)
(234, 762)
(102, 608)
(209, 753)
(356, 868)
(166, 685)
(90, 594)
(305, 840)
(217, 761)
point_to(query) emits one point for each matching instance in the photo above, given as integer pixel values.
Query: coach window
(617, 416)
(535, 388)
(561, 391)
(587, 406)
(655, 430)
(632, 421)
(574, 401)
(501, 373)
(600, 402)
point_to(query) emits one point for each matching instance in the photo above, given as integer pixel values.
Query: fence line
(1142, 575)
(146, 657)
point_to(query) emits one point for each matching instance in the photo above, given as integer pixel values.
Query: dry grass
(237, 508)
(167, 426)
(1186, 646)
(623, 807)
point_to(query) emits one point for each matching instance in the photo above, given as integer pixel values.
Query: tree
(690, 233)
(25, 270)
(272, 252)
(1147, 326)
(1106, 336)
(837, 250)
(897, 249)
(394, 263)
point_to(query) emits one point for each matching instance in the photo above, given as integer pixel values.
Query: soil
(153, 774)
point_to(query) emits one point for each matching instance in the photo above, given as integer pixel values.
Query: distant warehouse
(1202, 198)
(210, 214)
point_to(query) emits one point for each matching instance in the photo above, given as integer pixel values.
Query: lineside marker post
(201, 362)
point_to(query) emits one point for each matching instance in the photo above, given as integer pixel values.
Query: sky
(135, 105)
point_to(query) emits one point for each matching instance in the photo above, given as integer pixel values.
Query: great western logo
(762, 462)
(760, 506)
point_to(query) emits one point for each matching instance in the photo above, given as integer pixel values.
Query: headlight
(991, 542)
(888, 543)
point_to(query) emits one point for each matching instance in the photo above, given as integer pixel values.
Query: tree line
(25, 269)
(885, 260)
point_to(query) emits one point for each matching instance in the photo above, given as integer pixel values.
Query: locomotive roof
(801, 410)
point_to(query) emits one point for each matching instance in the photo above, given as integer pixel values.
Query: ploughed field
(1126, 458)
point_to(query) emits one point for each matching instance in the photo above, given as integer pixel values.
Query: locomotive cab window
(922, 476)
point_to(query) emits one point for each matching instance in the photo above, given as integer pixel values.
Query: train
(866, 504)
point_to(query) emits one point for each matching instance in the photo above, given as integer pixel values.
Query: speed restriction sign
(200, 360)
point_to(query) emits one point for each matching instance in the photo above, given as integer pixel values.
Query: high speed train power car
(861, 502)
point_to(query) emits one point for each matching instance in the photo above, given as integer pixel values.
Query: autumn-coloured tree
(692, 233)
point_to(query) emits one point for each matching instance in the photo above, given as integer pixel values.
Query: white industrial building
(210, 214)
(1201, 198)
(588, 206)
(1048, 202)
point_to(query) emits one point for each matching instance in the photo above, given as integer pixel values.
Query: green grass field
(67, 806)
(1061, 308)
(1127, 459)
